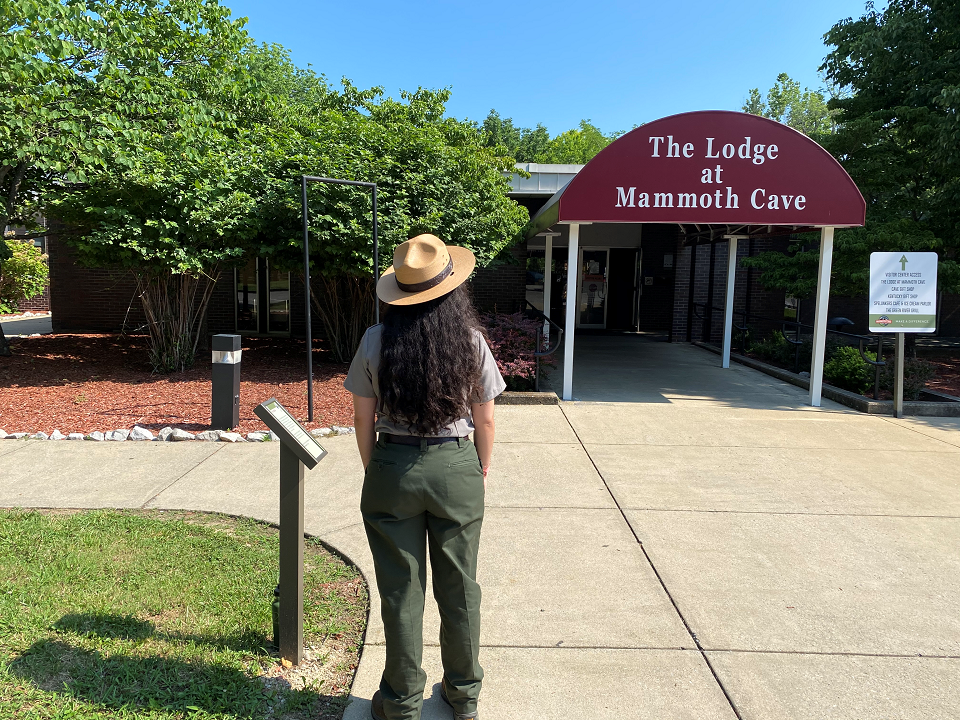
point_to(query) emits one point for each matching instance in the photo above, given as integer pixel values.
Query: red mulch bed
(948, 375)
(82, 383)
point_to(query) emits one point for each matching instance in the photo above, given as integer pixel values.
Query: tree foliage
(433, 173)
(804, 110)
(577, 146)
(23, 273)
(179, 150)
(898, 135)
(85, 84)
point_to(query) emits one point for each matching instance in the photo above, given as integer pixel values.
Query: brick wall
(762, 302)
(38, 303)
(502, 287)
(89, 299)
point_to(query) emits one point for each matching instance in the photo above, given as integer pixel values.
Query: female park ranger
(422, 381)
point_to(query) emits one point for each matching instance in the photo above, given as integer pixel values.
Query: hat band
(427, 284)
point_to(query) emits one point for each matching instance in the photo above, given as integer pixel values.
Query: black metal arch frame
(306, 269)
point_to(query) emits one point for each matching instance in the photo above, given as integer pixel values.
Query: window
(279, 301)
(263, 298)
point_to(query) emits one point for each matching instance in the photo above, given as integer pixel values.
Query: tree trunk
(345, 305)
(4, 344)
(175, 306)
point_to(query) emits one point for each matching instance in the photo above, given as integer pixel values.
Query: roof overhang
(708, 170)
(543, 180)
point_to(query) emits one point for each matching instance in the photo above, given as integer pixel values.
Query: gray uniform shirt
(362, 380)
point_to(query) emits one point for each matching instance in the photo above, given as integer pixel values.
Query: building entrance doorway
(609, 287)
(263, 299)
(592, 305)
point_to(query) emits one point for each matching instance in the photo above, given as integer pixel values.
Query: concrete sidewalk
(695, 556)
(26, 326)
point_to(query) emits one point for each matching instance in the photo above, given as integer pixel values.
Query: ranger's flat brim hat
(423, 269)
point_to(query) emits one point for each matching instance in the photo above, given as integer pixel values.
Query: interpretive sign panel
(280, 421)
(903, 292)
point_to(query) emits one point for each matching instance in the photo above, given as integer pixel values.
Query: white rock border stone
(170, 434)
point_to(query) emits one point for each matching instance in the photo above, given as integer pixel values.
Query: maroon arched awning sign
(710, 168)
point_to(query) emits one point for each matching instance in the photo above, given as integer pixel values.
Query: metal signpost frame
(306, 269)
(297, 448)
(903, 298)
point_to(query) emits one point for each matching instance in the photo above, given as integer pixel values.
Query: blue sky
(616, 63)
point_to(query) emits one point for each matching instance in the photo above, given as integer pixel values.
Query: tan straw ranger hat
(423, 269)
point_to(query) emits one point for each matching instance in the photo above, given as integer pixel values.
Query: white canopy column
(573, 264)
(728, 305)
(547, 279)
(820, 318)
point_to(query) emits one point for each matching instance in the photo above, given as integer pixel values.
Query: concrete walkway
(26, 326)
(699, 554)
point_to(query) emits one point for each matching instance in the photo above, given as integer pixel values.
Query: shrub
(22, 275)
(916, 373)
(513, 340)
(776, 350)
(847, 370)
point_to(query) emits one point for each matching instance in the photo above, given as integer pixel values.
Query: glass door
(279, 288)
(592, 310)
(263, 299)
(247, 287)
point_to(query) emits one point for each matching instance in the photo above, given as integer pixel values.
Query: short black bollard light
(225, 404)
(298, 449)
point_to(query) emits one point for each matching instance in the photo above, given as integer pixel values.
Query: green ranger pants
(414, 496)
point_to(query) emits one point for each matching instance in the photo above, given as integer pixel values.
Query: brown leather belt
(414, 439)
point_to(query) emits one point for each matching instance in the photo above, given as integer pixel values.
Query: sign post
(297, 448)
(903, 298)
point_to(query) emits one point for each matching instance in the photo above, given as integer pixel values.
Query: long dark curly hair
(430, 367)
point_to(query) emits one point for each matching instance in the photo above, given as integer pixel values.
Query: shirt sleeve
(491, 381)
(359, 380)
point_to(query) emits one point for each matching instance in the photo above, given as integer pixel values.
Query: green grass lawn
(165, 615)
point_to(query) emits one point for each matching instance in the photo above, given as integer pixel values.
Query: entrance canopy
(726, 175)
(712, 167)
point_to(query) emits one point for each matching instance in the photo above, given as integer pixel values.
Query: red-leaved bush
(513, 340)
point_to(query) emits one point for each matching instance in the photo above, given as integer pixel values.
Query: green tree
(23, 273)
(434, 174)
(898, 135)
(804, 110)
(500, 133)
(206, 137)
(522, 144)
(5, 254)
(533, 144)
(178, 223)
(111, 107)
(84, 83)
(577, 146)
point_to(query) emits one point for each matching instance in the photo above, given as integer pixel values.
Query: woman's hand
(483, 433)
(364, 420)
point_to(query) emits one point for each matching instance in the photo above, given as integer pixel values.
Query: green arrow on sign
(903, 262)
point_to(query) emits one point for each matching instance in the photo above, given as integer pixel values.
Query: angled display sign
(291, 433)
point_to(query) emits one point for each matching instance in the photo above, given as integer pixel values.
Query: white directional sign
(903, 292)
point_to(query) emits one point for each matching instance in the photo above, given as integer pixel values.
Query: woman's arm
(364, 419)
(483, 434)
